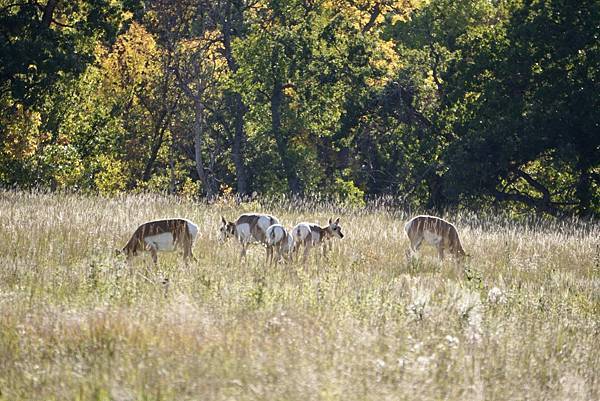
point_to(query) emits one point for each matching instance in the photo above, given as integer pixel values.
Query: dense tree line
(439, 103)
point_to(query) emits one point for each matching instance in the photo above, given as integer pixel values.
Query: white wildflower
(452, 341)
(496, 296)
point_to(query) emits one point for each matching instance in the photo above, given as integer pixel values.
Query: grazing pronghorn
(249, 227)
(310, 235)
(162, 235)
(435, 231)
(281, 240)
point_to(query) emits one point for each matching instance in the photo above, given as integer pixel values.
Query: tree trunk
(158, 134)
(583, 191)
(235, 100)
(281, 141)
(239, 141)
(198, 145)
(437, 199)
(171, 169)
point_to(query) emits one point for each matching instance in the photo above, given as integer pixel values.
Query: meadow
(520, 320)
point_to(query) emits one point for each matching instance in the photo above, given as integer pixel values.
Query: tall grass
(520, 320)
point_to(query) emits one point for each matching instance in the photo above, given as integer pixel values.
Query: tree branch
(531, 181)
(183, 85)
(48, 11)
(373, 18)
(535, 203)
(435, 72)
(55, 22)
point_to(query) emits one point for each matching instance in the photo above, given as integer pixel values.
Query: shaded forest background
(440, 104)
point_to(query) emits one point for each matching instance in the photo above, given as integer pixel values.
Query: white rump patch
(264, 223)
(432, 238)
(275, 234)
(161, 242)
(193, 229)
(300, 232)
(243, 232)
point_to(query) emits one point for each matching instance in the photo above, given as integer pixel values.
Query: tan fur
(231, 229)
(281, 247)
(252, 221)
(323, 234)
(419, 228)
(177, 227)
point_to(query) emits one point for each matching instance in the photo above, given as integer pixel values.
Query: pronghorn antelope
(435, 231)
(281, 240)
(311, 234)
(162, 235)
(249, 227)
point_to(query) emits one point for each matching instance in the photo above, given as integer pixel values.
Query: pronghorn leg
(191, 255)
(187, 252)
(413, 246)
(243, 252)
(326, 248)
(296, 252)
(440, 249)
(279, 255)
(307, 247)
(269, 254)
(275, 254)
(154, 254)
(416, 244)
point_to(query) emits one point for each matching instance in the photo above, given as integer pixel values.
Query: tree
(44, 48)
(527, 91)
(232, 24)
(41, 42)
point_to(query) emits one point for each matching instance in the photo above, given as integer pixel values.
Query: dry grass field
(519, 321)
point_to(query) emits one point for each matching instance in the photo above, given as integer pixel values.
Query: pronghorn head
(461, 254)
(127, 253)
(227, 229)
(334, 228)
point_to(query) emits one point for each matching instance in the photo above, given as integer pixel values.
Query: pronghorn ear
(330, 220)
(337, 220)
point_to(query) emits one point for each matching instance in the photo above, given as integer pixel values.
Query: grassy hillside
(521, 320)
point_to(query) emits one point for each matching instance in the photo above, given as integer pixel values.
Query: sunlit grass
(521, 320)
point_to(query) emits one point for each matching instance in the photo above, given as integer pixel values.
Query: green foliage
(110, 178)
(348, 193)
(527, 88)
(41, 44)
(442, 104)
